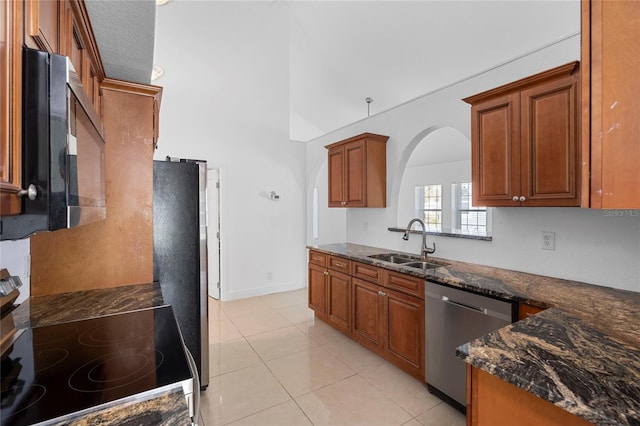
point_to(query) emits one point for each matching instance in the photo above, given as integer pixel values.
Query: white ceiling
(342, 52)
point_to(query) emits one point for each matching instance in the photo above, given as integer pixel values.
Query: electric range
(61, 371)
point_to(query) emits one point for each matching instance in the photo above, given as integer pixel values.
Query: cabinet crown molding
(369, 136)
(134, 88)
(561, 71)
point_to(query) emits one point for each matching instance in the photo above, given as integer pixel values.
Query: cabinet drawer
(405, 283)
(317, 258)
(340, 264)
(367, 272)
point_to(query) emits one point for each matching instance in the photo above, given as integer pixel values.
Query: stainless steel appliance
(180, 250)
(58, 372)
(63, 150)
(454, 317)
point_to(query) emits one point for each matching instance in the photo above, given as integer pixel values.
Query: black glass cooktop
(57, 370)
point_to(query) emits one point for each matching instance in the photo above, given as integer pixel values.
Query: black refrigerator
(180, 250)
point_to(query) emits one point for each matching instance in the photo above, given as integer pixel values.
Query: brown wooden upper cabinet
(43, 23)
(611, 105)
(525, 141)
(358, 171)
(11, 40)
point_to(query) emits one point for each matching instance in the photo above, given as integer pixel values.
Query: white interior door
(213, 231)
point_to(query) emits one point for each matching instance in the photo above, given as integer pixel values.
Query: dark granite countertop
(37, 311)
(165, 408)
(582, 355)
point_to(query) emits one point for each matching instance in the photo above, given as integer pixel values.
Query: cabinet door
(491, 401)
(495, 151)
(356, 174)
(405, 331)
(339, 300)
(615, 104)
(42, 21)
(317, 289)
(336, 177)
(549, 144)
(368, 313)
(10, 106)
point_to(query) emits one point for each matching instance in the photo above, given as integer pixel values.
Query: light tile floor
(271, 363)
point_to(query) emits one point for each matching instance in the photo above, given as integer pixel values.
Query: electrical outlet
(269, 276)
(365, 225)
(548, 240)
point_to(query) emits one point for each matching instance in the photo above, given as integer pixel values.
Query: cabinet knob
(31, 192)
(381, 293)
(516, 198)
(326, 272)
(523, 198)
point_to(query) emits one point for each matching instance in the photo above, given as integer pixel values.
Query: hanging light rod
(368, 101)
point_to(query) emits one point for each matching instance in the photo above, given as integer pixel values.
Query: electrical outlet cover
(548, 240)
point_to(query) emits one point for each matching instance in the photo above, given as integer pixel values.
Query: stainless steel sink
(422, 265)
(395, 258)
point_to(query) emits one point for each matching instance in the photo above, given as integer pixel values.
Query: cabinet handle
(31, 192)
(339, 264)
(523, 198)
(516, 198)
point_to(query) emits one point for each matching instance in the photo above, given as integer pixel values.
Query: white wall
(591, 246)
(14, 256)
(229, 104)
(331, 223)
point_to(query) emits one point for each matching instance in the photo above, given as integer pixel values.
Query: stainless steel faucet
(425, 250)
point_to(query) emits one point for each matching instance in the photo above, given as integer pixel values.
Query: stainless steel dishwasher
(454, 317)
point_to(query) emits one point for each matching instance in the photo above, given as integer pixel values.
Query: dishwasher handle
(477, 309)
(481, 310)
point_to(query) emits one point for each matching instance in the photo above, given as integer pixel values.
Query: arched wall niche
(438, 155)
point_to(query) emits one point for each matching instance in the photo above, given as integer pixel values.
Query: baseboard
(261, 291)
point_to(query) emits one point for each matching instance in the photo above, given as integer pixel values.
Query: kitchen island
(166, 404)
(582, 354)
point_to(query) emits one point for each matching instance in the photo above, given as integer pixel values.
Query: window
(429, 206)
(472, 220)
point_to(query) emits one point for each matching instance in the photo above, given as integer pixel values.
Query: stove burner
(108, 336)
(115, 370)
(35, 392)
(48, 358)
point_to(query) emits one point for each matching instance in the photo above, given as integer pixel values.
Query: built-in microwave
(62, 150)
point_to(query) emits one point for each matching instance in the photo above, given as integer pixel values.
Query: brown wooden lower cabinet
(339, 300)
(404, 337)
(368, 314)
(388, 322)
(317, 289)
(391, 324)
(494, 402)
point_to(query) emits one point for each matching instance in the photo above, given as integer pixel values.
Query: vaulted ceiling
(342, 52)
